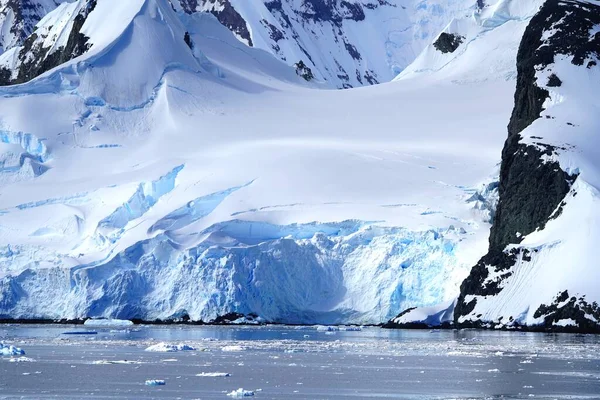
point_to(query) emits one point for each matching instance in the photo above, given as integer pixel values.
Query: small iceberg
(155, 382)
(108, 323)
(213, 374)
(241, 393)
(169, 348)
(7, 350)
(20, 359)
(233, 348)
(112, 362)
(321, 328)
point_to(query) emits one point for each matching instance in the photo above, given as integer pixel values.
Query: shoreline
(221, 322)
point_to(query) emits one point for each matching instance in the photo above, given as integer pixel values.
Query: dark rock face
(35, 59)
(303, 71)
(554, 81)
(571, 308)
(531, 191)
(448, 42)
(225, 13)
(188, 40)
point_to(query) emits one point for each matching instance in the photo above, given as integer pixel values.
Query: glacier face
(187, 173)
(332, 273)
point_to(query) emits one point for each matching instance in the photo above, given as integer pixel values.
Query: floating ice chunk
(321, 328)
(21, 359)
(241, 393)
(169, 348)
(213, 374)
(494, 370)
(155, 382)
(351, 328)
(109, 362)
(98, 323)
(233, 348)
(8, 350)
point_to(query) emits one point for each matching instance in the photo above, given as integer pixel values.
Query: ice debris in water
(213, 374)
(155, 382)
(169, 348)
(111, 362)
(9, 350)
(241, 393)
(233, 348)
(321, 328)
(99, 323)
(21, 359)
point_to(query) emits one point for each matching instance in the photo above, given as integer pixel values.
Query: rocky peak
(19, 17)
(533, 185)
(36, 56)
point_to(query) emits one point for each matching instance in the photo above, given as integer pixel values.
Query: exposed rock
(448, 42)
(554, 81)
(223, 11)
(188, 40)
(570, 313)
(304, 71)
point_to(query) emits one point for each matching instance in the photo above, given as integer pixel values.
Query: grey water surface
(297, 363)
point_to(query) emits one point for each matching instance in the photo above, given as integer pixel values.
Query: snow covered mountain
(19, 17)
(159, 167)
(344, 43)
(540, 270)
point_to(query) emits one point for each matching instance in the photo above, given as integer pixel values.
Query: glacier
(187, 174)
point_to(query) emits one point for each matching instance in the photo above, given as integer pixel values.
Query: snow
(202, 182)
(169, 348)
(10, 350)
(241, 393)
(432, 316)
(109, 323)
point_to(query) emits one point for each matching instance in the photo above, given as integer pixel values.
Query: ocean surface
(275, 362)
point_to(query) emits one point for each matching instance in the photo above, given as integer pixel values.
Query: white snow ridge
(166, 167)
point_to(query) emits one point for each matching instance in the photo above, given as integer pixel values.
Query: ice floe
(169, 348)
(155, 382)
(241, 393)
(213, 374)
(109, 323)
(9, 350)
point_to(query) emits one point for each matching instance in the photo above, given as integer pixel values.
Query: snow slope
(159, 178)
